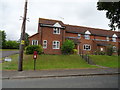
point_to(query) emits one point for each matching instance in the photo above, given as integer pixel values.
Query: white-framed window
(56, 45)
(87, 37)
(87, 47)
(114, 49)
(101, 49)
(107, 38)
(44, 44)
(56, 30)
(79, 35)
(113, 39)
(34, 42)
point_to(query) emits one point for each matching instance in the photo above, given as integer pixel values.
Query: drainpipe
(78, 47)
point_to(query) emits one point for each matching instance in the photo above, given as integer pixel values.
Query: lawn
(48, 62)
(108, 61)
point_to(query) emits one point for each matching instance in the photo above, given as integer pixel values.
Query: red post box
(35, 55)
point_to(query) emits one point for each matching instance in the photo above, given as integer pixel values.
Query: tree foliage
(113, 12)
(11, 45)
(67, 47)
(2, 39)
(26, 39)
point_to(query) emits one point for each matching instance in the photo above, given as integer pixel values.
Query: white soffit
(57, 25)
(87, 32)
(114, 35)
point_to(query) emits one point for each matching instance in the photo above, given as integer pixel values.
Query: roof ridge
(50, 19)
(91, 28)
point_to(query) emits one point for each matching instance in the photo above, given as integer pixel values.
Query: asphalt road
(7, 53)
(105, 81)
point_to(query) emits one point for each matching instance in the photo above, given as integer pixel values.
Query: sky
(73, 12)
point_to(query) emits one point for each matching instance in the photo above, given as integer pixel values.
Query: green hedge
(31, 48)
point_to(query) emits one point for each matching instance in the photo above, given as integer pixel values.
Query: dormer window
(114, 38)
(107, 38)
(79, 35)
(87, 37)
(56, 30)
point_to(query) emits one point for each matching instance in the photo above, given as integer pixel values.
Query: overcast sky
(74, 12)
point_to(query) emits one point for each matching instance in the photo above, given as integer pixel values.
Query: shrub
(31, 48)
(109, 50)
(99, 53)
(67, 47)
(75, 51)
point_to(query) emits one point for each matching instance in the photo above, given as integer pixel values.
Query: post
(34, 64)
(21, 47)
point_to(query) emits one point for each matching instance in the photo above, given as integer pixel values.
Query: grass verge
(107, 61)
(48, 62)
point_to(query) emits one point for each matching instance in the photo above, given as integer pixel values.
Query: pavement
(58, 73)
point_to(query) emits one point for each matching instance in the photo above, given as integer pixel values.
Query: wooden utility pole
(22, 39)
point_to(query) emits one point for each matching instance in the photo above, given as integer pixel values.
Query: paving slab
(57, 73)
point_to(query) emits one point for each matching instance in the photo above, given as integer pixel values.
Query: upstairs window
(44, 44)
(56, 45)
(107, 38)
(79, 35)
(87, 37)
(114, 39)
(86, 47)
(34, 42)
(56, 30)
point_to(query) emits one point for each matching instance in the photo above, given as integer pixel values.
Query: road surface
(7, 53)
(103, 81)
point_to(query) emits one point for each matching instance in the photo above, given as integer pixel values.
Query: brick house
(52, 33)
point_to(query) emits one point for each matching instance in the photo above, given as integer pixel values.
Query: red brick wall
(47, 34)
(34, 37)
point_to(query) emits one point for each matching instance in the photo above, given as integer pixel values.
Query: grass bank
(108, 61)
(48, 62)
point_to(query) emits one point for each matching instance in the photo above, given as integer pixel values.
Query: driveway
(8, 53)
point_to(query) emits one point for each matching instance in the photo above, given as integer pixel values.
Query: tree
(2, 39)
(12, 44)
(67, 47)
(113, 12)
(26, 39)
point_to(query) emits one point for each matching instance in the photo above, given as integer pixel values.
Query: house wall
(47, 34)
(34, 37)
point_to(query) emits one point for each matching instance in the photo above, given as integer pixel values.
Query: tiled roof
(50, 21)
(80, 29)
(94, 31)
